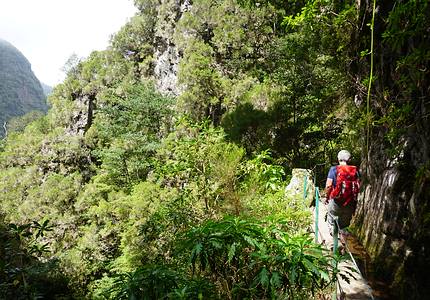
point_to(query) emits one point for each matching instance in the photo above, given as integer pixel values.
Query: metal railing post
(317, 200)
(305, 188)
(335, 234)
(335, 246)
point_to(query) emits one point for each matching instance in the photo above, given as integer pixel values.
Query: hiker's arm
(328, 187)
(358, 179)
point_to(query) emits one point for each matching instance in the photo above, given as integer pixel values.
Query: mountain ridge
(20, 90)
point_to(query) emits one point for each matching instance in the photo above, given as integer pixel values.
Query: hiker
(342, 188)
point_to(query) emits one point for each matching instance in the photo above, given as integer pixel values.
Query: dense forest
(21, 92)
(159, 171)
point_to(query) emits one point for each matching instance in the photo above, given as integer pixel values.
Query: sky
(48, 32)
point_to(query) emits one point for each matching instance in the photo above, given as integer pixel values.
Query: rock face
(20, 90)
(393, 213)
(82, 116)
(166, 69)
(166, 56)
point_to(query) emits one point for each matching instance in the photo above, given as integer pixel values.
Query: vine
(370, 78)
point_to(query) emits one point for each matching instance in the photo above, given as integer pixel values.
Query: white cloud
(47, 32)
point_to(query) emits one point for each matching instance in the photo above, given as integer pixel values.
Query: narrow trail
(380, 289)
(358, 285)
(357, 288)
(357, 280)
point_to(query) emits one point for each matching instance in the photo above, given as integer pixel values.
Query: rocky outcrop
(301, 186)
(164, 66)
(166, 69)
(166, 56)
(82, 115)
(393, 213)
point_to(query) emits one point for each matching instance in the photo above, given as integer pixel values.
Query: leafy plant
(245, 258)
(25, 272)
(271, 176)
(131, 124)
(148, 282)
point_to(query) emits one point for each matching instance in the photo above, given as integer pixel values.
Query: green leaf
(250, 240)
(324, 275)
(231, 252)
(275, 280)
(197, 249)
(263, 278)
(310, 266)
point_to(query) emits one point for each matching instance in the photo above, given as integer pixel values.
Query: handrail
(335, 246)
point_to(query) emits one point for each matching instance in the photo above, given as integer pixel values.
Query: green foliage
(152, 216)
(227, 41)
(18, 124)
(248, 126)
(240, 70)
(129, 127)
(197, 160)
(401, 100)
(289, 213)
(398, 29)
(138, 186)
(246, 259)
(134, 41)
(312, 88)
(268, 175)
(156, 282)
(23, 149)
(202, 100)
(22, 275)
(149, 282)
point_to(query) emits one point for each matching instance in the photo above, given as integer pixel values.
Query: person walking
(342, 188)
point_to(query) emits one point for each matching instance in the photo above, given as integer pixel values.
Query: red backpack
(347, 185)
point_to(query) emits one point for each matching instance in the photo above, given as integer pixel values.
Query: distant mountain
(20, 91)
(46, 89)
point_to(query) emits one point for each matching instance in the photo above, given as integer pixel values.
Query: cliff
(393, 216)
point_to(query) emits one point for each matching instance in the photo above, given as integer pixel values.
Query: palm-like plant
(245, 258)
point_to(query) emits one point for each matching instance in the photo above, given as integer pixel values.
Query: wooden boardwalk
(357, 288)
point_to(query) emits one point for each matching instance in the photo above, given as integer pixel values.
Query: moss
(422, 175)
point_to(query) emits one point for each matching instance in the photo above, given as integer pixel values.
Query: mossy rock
(301, 185)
